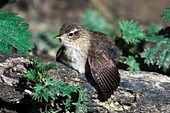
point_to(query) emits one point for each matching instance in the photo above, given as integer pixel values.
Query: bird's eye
(70, 34)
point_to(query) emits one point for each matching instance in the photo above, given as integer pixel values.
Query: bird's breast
(77, 59)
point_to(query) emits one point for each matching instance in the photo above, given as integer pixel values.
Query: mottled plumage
(90, 53)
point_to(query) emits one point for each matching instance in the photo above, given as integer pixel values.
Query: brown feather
(102, 67)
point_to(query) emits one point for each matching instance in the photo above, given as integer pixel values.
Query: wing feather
(102, 68)
(105, 74)
(114, 78)
(108, 81)
(105, 85)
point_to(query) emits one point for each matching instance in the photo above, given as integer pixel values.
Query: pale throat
(77, 54)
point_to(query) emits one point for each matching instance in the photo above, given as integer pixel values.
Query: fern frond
(133, 65)
(13, 33)
(131, 31)
(160, 55)
(94, 21)
(152, 28)
(154, 38)
(165, 15)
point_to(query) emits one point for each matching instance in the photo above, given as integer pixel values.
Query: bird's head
(72, 34)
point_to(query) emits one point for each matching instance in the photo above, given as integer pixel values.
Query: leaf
(45, 94)
(152, 28)
(67, 91)
(67, 103)
(131, 31)
(31, 74)
(148, 54)
(48, 89)
(133, 65)
(94, 21)
(160, 55)
(165, 15)
(13, 33)
(53, 97)
(38, 87)
(84, 108)
(154, 38)
(48, 81)
(50, 66)
(38, 91)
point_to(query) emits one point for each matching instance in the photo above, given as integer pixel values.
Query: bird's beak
(58, 36)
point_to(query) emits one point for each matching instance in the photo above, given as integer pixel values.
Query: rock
(144, 92)
(138, 92)
(13, 98)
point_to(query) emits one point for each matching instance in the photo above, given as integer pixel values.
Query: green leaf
(38, 87)
(13, 33)
(165, 15)
(152, 28)
(94, 21)
(38, 91)
(133, 65)
(160, 55)
(31, 74)
(45, 94)
(50, 66)
(84, 108)
(53, 97)
(154, 38)
(68, 104)
(4, 46)
(148, 55)
(48, 89)
(48, 81)
(67, 91)
(131, 31)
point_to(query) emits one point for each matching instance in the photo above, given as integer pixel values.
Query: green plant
(131, 32)
(57, 95)
(93, 20)
(160, 53)
(44, 40)
(165, 15)
(13, 33)
(152, 28)
(40, 71)
(133, 65)
(132, 40)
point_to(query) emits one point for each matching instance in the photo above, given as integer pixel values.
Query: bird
(92, 54)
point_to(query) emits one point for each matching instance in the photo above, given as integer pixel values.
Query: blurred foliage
(135, 37)
(165, 15)
(133, 65)
(93, 20)
(131, 31)
(13, 33)
(152, 28)
(160, 54)
(57, 95)
(44, 40)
